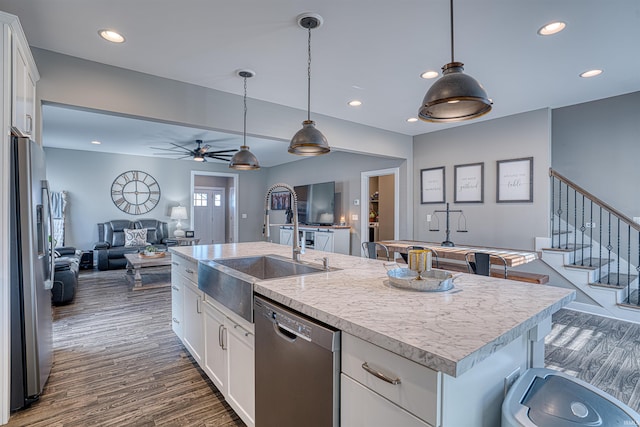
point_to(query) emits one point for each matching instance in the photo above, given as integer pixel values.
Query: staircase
(595, 248)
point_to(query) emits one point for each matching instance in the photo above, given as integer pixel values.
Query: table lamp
(178, 213)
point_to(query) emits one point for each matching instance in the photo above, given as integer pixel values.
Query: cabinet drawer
(417, 389)
(361, 407)
(184, 267)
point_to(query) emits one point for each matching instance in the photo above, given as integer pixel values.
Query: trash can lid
(555, 401)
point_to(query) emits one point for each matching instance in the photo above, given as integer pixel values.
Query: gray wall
(87, 177)
(507, 225)
(597, 145)
(344, 169)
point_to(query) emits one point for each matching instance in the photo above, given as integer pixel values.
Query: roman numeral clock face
(135, 192)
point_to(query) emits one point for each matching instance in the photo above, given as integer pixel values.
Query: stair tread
(586, 265)
(571, 247)
(615, 281)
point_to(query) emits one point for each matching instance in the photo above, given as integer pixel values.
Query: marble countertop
(445, 331)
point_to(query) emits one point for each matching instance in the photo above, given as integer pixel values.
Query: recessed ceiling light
(355, 103)
(552, 28)
(96, 142)
(429, 74)
(111, 36)
(412, 119)
(591, 73)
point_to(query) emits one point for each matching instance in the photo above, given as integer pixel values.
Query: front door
(209, 219)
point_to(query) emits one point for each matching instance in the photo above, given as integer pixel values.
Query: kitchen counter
(449, 332)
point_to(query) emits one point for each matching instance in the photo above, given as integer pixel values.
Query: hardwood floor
(601, 351)
(118, 363)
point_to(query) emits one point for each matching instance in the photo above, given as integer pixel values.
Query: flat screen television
(316, 203)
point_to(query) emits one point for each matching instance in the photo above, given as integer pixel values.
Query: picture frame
(468, 181)
(189, 233)
(514, 182)
(432, 185)
(280, 200)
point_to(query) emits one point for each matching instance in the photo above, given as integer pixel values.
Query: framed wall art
(468, 183)
(515, 180)
(280, 200)
(432, 185)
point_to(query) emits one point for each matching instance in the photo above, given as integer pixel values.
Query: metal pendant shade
(455, 96)
(244, 159)
(309, 141)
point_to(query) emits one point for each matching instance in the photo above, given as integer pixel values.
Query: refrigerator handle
(48, 283)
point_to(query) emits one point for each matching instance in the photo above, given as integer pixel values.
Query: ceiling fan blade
(173, 150)
(219, 158)
(221, 140)
(231, 150)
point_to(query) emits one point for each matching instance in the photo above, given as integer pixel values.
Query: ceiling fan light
(198, 157)
(454, 97)
(244, 160)
(309, 141)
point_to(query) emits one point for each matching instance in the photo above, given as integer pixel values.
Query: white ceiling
(372, 50)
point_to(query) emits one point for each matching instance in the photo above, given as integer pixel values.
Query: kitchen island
(472, 338)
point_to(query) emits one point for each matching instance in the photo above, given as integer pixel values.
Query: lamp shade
(309, 141)
(244, 160)
(454, 97)
(178, 212)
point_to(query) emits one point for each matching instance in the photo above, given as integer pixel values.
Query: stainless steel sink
(230, 280)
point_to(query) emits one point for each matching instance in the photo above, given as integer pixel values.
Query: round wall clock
(135, 192)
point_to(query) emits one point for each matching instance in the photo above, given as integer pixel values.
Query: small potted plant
(150, 250)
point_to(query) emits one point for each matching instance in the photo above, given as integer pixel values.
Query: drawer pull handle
(380, 375)
(176, 320)
(190, 271)
(175, 263)
(175, 288)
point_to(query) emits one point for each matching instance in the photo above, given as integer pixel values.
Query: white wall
(507, 225)
(596, 145)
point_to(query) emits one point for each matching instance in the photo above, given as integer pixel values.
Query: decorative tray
(430, 281)
(150, 255)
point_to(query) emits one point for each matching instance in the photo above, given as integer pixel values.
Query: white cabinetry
(240, 371)
(193, 337)
(328, 239)
(219, 340)
(216, 344)
(24, 89)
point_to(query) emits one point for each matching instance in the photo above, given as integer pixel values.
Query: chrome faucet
(294, 205)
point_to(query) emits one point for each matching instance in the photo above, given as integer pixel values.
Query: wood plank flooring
(118, 363)
(601, 351)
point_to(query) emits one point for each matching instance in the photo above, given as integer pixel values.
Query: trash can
(548, 398)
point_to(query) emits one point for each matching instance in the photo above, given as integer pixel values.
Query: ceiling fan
(200, 153)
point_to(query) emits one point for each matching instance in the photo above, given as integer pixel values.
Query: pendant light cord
(451, 17)
(309, 76)
(244, 134)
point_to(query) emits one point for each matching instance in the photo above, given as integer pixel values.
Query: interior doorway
(380, 205)
(213, 206)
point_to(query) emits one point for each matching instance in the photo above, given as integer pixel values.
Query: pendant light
(309, 141)
(455, 96)
(244, 159)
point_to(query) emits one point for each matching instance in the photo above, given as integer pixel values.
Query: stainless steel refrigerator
(32, 267)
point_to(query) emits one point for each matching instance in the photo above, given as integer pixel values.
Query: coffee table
(137, 262)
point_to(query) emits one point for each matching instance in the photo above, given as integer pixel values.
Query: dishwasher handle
(287, 334)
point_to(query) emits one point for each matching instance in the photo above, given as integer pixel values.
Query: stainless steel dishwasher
(297, 363)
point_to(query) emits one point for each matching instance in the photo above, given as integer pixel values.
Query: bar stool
(370, 249)
(481, 263)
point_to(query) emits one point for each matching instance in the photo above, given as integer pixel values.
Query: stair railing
(572, 205)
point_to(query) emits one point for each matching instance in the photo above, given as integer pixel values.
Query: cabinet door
(177, 305)
(24, 91)
(361, 407)
(241, 372)
(192, 320)
(215, 347)
(286, 236)
(323, 241)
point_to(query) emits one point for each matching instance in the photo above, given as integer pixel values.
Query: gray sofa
(65, 278)
(111, 248)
